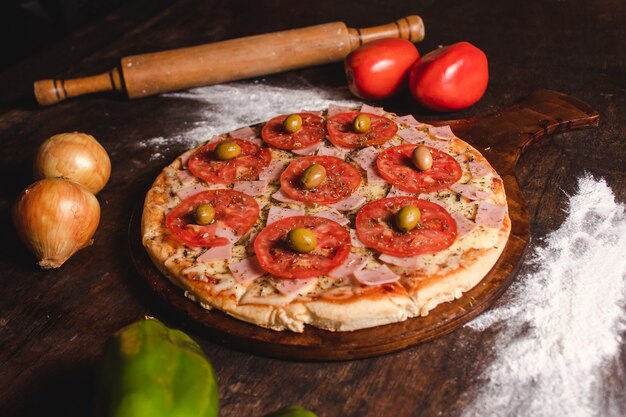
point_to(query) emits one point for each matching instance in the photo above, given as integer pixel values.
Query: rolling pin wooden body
(236, 59)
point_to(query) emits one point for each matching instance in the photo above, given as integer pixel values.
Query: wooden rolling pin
(236, 59)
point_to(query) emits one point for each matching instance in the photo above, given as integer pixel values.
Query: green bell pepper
(149, 370)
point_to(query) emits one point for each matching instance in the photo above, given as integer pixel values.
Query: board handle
(235, 59)
(504, 135)
(410, 28)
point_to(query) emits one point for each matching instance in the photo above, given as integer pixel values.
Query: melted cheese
(262, 292)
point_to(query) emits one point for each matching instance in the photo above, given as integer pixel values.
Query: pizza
(341, 219)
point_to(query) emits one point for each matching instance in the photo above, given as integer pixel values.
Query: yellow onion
(76, 156)
(55, 218)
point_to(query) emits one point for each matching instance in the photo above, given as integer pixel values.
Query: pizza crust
(360, 313)
(431, 292)
(336, 309)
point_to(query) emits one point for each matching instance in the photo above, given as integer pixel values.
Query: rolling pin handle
(409, 27)
(48, 92)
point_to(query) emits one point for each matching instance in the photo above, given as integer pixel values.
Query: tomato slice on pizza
(342, 179)
(342, 133)
(276, 256)
(233, 210)
(395, 166)
(251, 160)
(311, 131)
(375, 227)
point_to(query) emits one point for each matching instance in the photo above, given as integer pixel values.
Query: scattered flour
(227, 107)
(563, 326)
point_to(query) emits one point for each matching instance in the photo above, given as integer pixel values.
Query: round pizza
(341, 219)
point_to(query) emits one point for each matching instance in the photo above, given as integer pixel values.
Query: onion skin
(76, 156)
(55, 218)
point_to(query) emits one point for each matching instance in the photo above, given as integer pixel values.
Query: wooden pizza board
(500, 137)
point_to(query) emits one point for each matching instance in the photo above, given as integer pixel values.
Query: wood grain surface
(53, 324)
(502, 136)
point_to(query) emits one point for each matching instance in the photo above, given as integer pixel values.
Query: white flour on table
(235, 105)
(562, 328)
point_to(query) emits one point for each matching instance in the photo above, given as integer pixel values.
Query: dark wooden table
(53, 323)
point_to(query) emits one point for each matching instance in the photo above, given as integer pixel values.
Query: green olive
(407, 218)
(422, 158)
(227, 150)
(362, 123)
(292, 123)
(313, 176)
(301, 240)
(205, 214)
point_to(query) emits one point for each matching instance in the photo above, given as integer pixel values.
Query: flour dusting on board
(234, 105)
(563, 326)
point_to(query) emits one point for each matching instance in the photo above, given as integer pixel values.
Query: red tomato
(450, 78)
(380, 69)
